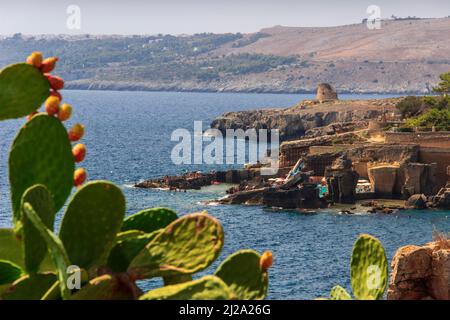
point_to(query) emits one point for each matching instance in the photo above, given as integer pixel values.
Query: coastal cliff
(301, 119)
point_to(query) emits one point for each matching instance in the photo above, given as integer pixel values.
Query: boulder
(416, 201)
(420, 273)
(410, 266)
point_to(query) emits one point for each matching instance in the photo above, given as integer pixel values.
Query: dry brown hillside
(399, 40)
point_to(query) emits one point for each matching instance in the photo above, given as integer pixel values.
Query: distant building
(325, 92)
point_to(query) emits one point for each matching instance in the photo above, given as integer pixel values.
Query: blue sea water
(128, 140)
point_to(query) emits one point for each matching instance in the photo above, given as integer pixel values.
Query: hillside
(403, 56)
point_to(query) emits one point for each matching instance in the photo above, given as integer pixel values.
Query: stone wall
(440, 156)
(424, 139)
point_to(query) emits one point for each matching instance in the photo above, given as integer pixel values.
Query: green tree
(444, 86)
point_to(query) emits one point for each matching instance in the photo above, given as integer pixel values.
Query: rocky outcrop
(442, 198)
(294, 122)
(342, 180)
(421, 272)
(382, 177)
(325, 92)
(416, 201)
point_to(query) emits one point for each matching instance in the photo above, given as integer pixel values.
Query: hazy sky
(193, 16)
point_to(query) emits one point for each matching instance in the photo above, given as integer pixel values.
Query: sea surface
(128, 140)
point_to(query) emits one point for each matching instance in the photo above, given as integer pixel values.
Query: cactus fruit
(29, 287)
(35, 59)
(339, 293)
(91, 221)
(266, 260)
(54, 93)
(206, 288)
(79, 152)
(52, 105)
(65, 112)
(79, 177)
(369, 268)
(9, 272)
(244, 275)
(35, 247)
(56, 83)
(41, 154)
(76, 132)
(48, 65)
(187, 245)
(149, 220)
(23, 89)
(55, 248)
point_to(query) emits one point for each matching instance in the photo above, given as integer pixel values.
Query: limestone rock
(420, 273)
(416, 201)
(410, 266)
(383, 178)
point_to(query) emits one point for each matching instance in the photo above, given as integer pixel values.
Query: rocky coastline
(334, 152)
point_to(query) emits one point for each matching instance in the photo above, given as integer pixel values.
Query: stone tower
(326, 92)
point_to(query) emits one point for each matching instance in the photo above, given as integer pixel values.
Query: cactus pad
(23, 89)
(55, 247)
(11, 247)
(41, 154)
(206, 288)
(125, 250)
(242, 272)
(29, 287)
(9, 272)
(105, 287)
(149, 220)
(339, 293)
(188, 245)
(368, 268)
(92, 219)
(35, 247)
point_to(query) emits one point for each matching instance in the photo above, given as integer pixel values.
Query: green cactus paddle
(368, 268)
(92, 219)
(23, 89)
(35, 247)
(188, 245)
(206, 288)
(242, 273)
(41, 154)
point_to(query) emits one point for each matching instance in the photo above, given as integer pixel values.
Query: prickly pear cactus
(41, 154)
(55, 248)
(35, 247)
(206, 288)
(29, 287)
(105, 287)
(126, 250)
(243, 274)
(9, 272)
(188, 245)
(339, 293)
(149, 220)
(369, 268)
(11, 247)
(23, 89)
(91, 221)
